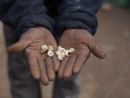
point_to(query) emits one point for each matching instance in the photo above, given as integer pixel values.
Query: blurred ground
(100, 78)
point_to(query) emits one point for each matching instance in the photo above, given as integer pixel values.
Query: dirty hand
(40, 64)
(83, 43)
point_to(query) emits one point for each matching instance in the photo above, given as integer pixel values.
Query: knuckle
(48, 59)
(70, 65)
(43, 72)
(62, 67)
(49, 69)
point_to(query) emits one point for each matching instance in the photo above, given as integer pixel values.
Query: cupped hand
(42, 67)
(83, 43)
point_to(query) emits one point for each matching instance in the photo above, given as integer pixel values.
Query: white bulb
(44, 46)
(50, 53)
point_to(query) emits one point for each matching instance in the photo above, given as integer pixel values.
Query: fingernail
(104, 55)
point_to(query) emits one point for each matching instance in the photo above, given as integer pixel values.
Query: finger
(68, 69)
(32, 60)
(62, 66)
(56, 63)
(81, 59)
(49, 67)
(17, 47)
(94, 47)
(96, 50)
(43, 78)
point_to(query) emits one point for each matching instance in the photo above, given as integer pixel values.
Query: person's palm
(83, 43)
(42, 67)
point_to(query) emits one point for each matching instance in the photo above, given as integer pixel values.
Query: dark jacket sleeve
(78, 14)
(24, 14)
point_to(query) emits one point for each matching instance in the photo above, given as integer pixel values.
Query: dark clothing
(24, 14)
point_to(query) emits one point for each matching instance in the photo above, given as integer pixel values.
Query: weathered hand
(42, 67)
(83, 43)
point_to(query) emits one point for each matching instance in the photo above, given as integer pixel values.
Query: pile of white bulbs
(61, 53)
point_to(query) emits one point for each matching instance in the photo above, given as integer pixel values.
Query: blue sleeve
(24, 14)
(79, 14)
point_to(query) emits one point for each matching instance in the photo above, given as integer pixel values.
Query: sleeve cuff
(79, 18)
(74, 24)
(26, 23)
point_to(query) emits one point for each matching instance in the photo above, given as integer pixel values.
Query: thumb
(94, 47)
(96, 50)
(17, 47)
